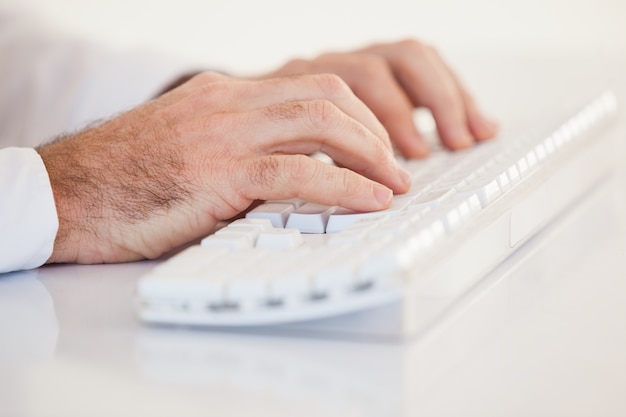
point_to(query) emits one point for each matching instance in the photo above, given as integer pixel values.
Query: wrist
(63, 170)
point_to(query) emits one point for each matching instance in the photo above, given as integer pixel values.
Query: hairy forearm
(104, 181)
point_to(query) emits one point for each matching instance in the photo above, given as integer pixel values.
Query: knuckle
(285, 111)
(264, 172)
(449, 100)
(374, 66)
(415, 46)
(206, 77)
(218, 90)
(347, 181)
(300, 169)
(349, 185)
(295, 65)
(331, 84)
(212, 121)
(321, 114)
(212, 126)
(317, 115)
(165, 126)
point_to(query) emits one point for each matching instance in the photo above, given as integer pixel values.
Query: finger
(321, 86)
(229, 95)
(387, 100)
(305, 127)
(428, 82)
(288, 176)
(480, 125)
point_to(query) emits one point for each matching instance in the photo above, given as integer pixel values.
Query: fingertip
(383, 195)
(419, 149)
(405, 177)
(457, 138)
(404, 183)
(412, 146)
(482, 127)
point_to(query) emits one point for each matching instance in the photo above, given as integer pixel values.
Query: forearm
(104, 202)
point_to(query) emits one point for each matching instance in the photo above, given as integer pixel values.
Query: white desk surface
(544, 335)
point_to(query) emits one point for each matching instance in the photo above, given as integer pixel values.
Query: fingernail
(493, 124)
(382, 194)
(420, 149)
(462, 138)
(423, 147)
(486, 121)
(489, 129)
(405, 175)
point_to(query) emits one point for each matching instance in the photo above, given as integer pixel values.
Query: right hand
(395, 78)
(167, 172)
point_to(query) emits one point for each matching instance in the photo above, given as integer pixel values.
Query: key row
(220, 278)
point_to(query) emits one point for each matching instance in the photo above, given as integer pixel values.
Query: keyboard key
(395, 227)
(513, 174)
(228, 240)
(522, 166)
(295, 202)
(486, 189)
(342, 217)
(277, 213)
(531, 159)
(245, 290)
(540, 152)
(249, 232)
(503, 181)
(290, 285)
(189, 261)
(336, 277)
(431, 198)
(279, 239)
(310, 218)
(350, 237)
(380, 264)
(260, 224)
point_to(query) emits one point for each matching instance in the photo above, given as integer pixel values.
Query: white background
(252, 35)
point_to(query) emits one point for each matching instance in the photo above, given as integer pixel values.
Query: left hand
(393, 79)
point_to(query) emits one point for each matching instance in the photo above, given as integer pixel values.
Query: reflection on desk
(27, 319)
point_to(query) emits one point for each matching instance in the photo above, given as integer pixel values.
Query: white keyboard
(466, 211)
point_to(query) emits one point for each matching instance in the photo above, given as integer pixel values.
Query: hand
(165, 173)
(393, 79)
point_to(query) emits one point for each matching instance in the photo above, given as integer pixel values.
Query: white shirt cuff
(28, 216)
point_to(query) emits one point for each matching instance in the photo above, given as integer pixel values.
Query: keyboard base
(433, 293)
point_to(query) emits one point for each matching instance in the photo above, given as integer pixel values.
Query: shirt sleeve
(28, 217)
